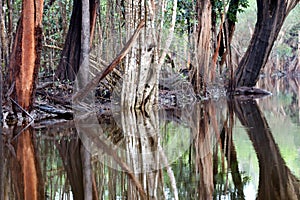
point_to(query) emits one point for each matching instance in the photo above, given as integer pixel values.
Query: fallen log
(251, 91)
(62, 114)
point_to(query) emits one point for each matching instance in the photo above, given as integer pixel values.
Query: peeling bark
(25, 59)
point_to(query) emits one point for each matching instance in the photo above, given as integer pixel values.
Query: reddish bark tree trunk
(25, 59)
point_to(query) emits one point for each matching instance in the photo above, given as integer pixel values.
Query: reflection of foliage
(54, 175)
(186, 178)
(224, 182)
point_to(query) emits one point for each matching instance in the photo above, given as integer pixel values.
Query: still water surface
(241, 148)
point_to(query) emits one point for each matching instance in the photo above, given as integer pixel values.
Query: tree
(1, 65)
(144, 62)
(270, 17)
(203, 46)
(70, 58)
(25, 57)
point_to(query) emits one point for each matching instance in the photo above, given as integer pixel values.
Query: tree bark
(270, 17)
(70, 58)
(1, 63)
(203, 46)
(83, 78)
(25, 58)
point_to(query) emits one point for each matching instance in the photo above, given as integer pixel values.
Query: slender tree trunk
(2, 169)
(25, 58)
(1, 64)
(270, 17)
(229, 25)
(83, 78)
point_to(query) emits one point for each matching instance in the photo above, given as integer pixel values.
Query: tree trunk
(203, 46)
(270, 17)
(25, 58)
(83, 78)
(70, 58)
(1, 64)
(140, 82)
(229, 27)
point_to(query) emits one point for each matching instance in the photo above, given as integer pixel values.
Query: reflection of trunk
(142, 148)
(110, 153)
(26, 171)
(70, 153)
(275, 179)
(204, 159)
(231, 156)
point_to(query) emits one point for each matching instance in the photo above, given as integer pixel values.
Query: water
(219, 149)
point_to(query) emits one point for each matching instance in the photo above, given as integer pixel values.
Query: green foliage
(186, 16)
(234, 7)
(53, 21)
(283, 50)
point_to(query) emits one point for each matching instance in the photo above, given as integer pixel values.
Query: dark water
(241, 148)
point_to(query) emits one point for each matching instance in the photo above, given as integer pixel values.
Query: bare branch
(88, 87)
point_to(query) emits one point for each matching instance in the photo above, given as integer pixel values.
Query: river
(241, 148)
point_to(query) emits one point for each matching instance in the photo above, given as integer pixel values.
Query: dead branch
(99, 76)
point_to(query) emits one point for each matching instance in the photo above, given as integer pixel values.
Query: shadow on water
(177, 153)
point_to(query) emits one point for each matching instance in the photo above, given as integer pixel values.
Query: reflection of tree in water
(23, 178)
(202, 171)
(275, 179)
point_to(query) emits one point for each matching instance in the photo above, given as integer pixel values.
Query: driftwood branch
(88, 87)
